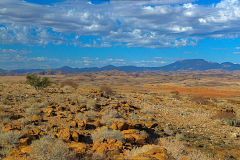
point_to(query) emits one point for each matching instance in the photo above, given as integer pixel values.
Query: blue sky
(81, 33)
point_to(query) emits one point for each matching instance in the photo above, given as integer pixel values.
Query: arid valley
(119, 115)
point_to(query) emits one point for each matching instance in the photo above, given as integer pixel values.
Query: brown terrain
(117, 115)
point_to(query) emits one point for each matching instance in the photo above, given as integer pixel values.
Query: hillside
(181, 65)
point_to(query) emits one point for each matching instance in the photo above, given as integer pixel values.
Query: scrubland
(117, 115)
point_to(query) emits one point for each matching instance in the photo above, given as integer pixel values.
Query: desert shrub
(175, 147)
(107, 133)
(91, 104)
(106, 91)
(108, 115)
(134, 117)
(69, 83)
(88, 115)
(7, 141)
(47, 148)
(4, 117)
(200, 100)
(37, 82)
(80, 116)
(4, 150)
(198, 155)
(224, 115)
(9, 138)
(91, 114)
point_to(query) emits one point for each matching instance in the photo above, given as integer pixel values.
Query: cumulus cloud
(153, 24)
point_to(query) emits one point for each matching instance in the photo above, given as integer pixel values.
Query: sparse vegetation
(144, 114)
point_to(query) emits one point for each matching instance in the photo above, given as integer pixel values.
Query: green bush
(37, 82)
(233, 122)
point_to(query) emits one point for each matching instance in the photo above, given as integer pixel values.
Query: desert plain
(115, 115)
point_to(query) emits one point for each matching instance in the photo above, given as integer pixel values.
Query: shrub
(233, 122)
(7, 141)
(107, 133)
(37, 81)
(138, 150)
(48, 148)
(10, 138)
(106, 91)
(109, 115)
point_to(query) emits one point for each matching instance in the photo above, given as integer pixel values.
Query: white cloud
(150, 24)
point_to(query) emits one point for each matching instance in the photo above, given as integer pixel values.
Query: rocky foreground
(63, 122)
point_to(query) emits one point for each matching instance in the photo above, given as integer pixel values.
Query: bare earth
(118, 115)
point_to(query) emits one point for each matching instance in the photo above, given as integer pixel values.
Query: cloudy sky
(82, 33)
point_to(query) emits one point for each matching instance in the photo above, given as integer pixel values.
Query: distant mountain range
(181, 65)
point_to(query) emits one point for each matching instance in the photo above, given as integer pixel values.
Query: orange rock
(64, 134)
(24, 141)
(75, 136)
(83, 106)
(9, 127)
(139, 139)
(109, 145)
(151, 124)
(78, 147)
(102, 148)
(157, 153)
(16, 154)
(83, 109)
(25, 149)
(129, 138)
(122, 126)
(97, 123)
(73, 124)
(130, 131)
(134, 136)
(36, 131)
(114, 126)
(35, 118)
(49, 112)
(82, 124)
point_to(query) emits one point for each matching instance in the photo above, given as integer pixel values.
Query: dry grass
(47, 148)
(7, 141)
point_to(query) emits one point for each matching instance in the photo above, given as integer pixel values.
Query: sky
(84, 33)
